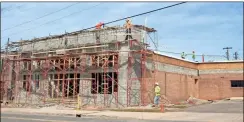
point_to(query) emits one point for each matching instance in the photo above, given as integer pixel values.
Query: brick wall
(176, 87)
(212, 83)
(220, 65)
(218, 86)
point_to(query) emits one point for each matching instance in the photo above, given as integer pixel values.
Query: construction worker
(98, 27)
(183, 55)
(193, 56)
(157, 94)
(128, 25)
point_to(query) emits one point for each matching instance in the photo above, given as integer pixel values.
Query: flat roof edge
(232, 61)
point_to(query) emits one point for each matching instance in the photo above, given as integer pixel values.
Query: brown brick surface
(218, 86)
(232, 65)
(208, 86)
(176, 87)
(229, 76)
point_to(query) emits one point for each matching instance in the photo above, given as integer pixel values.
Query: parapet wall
(220, 68)
(81, 39)
(170, 64)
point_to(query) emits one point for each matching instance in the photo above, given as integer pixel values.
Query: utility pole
(227, 52)
(236, 56)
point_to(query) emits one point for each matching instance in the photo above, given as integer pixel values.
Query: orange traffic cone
(162, 108)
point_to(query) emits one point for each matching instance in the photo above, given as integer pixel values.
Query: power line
(177, 53)
(54, 20)
(236, 56)
(227, 52)
(11, 7)
(117, 19)
(190, 54)
(138, 15)
(41, 16)
(19, 11)
(75, 13)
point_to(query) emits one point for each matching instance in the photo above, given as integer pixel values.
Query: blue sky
(205, 27)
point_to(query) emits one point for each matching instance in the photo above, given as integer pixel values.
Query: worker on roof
(183, 55)
(157, 94)
(193, 56)
(97, 33)
(99, 25)
(128, 25)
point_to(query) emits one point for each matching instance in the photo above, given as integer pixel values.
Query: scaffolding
(43, 78)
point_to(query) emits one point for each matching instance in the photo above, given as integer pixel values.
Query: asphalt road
(231, 106)
(12, 117)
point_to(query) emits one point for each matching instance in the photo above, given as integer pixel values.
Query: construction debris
(195, 101)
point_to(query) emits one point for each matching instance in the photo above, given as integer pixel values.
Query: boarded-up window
(237, 83)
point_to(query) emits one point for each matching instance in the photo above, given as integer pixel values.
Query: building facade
(104, 69)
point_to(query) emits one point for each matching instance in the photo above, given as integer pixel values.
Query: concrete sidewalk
(183, 116)
(46, 111)
(134, 115)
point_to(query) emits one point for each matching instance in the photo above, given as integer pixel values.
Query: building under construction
(99, 65)
(106, 70)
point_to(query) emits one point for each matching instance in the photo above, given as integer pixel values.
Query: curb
(39, 113)
(44, 113)
(68, 114)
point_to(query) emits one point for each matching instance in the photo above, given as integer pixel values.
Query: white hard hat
(156, 83)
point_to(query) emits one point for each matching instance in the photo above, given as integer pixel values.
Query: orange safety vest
(128, 25)
(99, 25)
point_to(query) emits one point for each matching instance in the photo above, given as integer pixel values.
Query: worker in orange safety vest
(128, 25)
(98, 27)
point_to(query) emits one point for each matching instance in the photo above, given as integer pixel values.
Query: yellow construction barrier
(78, 102)
(78, 108)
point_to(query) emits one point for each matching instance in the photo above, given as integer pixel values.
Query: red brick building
(209, 80)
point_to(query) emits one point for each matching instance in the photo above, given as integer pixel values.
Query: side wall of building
(181, 79)
(215, 80)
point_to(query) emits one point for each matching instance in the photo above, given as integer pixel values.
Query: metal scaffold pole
(59, 74)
